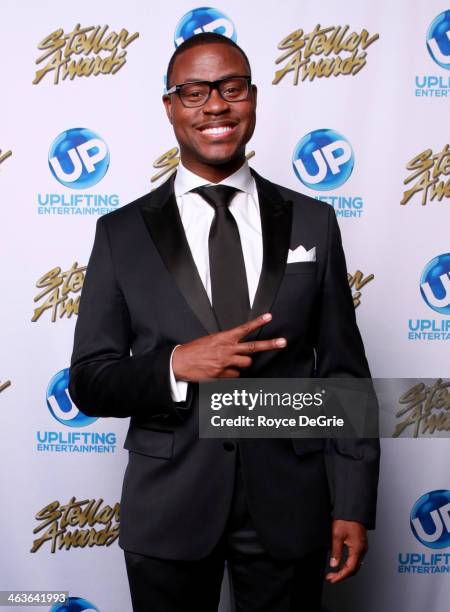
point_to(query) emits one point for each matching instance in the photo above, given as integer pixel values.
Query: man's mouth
(217, 130)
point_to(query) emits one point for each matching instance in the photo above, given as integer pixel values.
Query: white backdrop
(377, 112)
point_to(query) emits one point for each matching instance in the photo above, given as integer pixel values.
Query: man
(194, 279)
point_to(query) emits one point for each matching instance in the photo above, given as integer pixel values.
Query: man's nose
(216, 104)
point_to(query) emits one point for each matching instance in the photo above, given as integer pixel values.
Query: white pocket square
(301, 254)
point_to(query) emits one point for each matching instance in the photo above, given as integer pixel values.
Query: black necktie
(226, 261)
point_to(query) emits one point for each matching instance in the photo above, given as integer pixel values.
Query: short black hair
(204, 38)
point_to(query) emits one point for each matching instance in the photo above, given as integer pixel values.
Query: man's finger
(241, 331)
(337, 547)
(247, 348)
(241, 361)
(349, 568)
(229, 373)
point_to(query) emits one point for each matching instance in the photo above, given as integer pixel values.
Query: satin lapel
(276, 224)
(163, 221)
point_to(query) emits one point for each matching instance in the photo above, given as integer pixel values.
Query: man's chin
(221, 158)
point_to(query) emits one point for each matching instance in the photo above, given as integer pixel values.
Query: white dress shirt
(197, 215)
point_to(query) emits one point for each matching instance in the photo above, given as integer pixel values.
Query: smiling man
(221, 273)
(212, 139)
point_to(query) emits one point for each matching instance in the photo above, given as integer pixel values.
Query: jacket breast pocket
(301, 267)
(150, 442)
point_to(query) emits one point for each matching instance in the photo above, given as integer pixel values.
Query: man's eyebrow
(225, 76)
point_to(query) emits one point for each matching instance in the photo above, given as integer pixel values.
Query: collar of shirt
(242, 179)
(196, 217)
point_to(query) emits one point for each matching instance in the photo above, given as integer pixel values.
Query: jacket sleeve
(105, 380)
(340, 353)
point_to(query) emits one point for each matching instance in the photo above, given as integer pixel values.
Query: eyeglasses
(197, 93)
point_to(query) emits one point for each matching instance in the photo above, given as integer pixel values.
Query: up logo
(323, 160)
(60, 404)
(438, 40)
(435, 284)
(75, 604)
(204, 19)
(430, 519)
(78, 158)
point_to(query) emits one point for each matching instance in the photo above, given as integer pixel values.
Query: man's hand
(354, 536)
(221, 355)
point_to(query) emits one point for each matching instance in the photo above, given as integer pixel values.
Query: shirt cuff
(178, 388)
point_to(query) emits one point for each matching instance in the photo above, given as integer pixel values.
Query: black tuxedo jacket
(142, 292)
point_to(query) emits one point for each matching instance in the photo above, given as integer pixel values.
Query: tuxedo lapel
(162, 218)
(276, 224)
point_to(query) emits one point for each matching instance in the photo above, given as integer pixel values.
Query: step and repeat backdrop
(353, 110)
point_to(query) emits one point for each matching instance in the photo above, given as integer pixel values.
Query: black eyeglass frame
(175, 89)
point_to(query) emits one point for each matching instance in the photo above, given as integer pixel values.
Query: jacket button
(229, 446)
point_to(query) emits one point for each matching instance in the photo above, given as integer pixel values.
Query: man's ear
(255, 93)
(168, 106)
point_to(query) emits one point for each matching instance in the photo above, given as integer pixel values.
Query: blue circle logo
(75, 604)
(78, 158)
(323, 160)
(435, 284)
(430, 519)
(438, 40)
(204, 19)
(60, 404)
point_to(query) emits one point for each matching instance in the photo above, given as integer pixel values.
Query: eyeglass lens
(231, 90)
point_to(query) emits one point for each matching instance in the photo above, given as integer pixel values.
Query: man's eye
(194, 93)
(232, 91)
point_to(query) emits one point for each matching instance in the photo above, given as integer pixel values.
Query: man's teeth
(218, 130)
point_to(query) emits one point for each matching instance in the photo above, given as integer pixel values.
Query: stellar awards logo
(64, 411)
(60, 292)
(429, 172)
(430, 525)
(4, 156)
(86, 51)
(78, 159)
(4, 385)
(76, 524)
(438, 46)
(322, 53)
(424, 409)
(435, 292)
(356, 282)
(74, 604)
(323, 160)
(204, 19)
